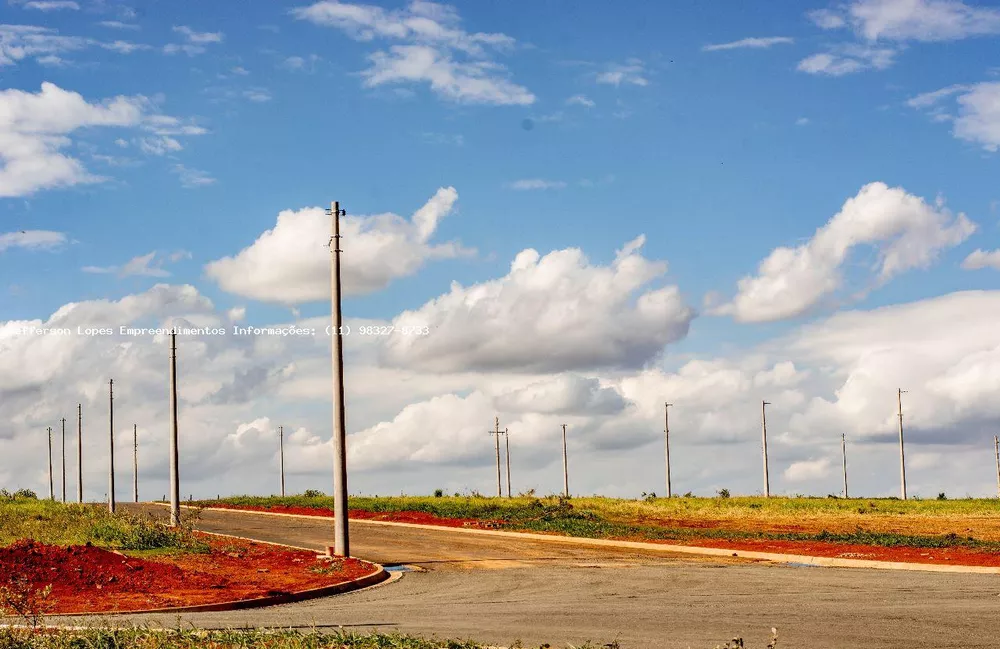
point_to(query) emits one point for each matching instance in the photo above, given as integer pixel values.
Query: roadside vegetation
(885, 522)
(116, 638)
(24, 516)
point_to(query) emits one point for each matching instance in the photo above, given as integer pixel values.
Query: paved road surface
(501, 590)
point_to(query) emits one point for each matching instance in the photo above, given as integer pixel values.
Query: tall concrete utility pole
(64, 459)
(565, 465)
(281, 457)
(340, 538)
(497, 433)
(763, 425)
(79, 453)
(506, 437)
(902, 458)
(666, 444)
(996, 448)
(52, 492)
(111, 445)
(135, 462)
(175, 482)
(843, 447)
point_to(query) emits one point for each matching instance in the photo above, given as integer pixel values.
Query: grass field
(56, 523)
(888, 522)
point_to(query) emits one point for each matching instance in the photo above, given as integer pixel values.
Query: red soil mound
(91, 579)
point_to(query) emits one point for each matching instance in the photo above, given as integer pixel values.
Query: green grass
(615, 518)
(56, 523)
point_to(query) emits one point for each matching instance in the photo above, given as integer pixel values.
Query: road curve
(503, 590)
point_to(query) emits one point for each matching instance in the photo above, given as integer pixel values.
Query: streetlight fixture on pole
(666, 443)
(175, 482)
(902, 458)
(341, 539)
(763, 425)
(281, 457)
(565, 465)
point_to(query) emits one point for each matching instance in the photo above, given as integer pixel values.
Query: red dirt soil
(85, 578)
(956, 556)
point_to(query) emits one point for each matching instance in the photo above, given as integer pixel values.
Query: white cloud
(808, 470)
(848, 59)
(299, 63)
(536, 183)
(290, 264)
(443, 138)
(236, 314)
(581, 100)
(240, 70)
(907, 231)
(631, 72)
(192, 178)
(750, 43)
(977, 115)
(51, 5)
(827, 19)
(159, 145)
(257, 95)
(911, 20)
(199, 37)
(435, 50)
(117, 24)
(802, 121)
(979, 259)
(45, 45)
(32, 240)
(549, 313)
(149, 265)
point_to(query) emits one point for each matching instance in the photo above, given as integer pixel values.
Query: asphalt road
(499, 590)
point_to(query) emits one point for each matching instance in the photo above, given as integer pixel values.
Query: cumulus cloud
(432, 48)
(290, 264)
(911, 20)
(750, 43)
(551, 313)
(979, 258)
(808, 470)
(976, 113)
(907, 232)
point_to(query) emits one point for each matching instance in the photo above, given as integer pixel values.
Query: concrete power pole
(843, 447)
(902, 458)
(666, 444)
(111, 445)
(763, 425)
(135, 462)
(281, 457)
(996, 448)
(341, 539)
(64, 459)
(506, 437)
(497, 433)
(175, 482)
(565, 465)
(79, 453)
(52, 492)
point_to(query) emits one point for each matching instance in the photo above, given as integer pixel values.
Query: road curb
(379, 576)
(825, 562)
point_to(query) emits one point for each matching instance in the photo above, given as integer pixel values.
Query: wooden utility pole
(135, 462)
(111, 445)
(843, 447)
(565, 465)
(341, 539)
(497, 433)
(902, 458)
(763, 425)
(64, 459)
(666, 443)
(506, 437)
(281, 457)
(52, 492)
(79, 453)
(996, 448)
(175, 482)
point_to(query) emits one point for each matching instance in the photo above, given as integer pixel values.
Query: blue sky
(718, 132)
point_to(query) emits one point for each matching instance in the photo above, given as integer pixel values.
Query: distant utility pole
(843, 447)
(666, 443)
(341, 539)
(111, 445)
(52, 493)
(996, 448)
(497, 433)
(175, 483)
(79, 453)
(64, 459)
(565, 465)
(763, 425)
(506, 437)
(902, 458)
(281, 457)
(135, 462)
